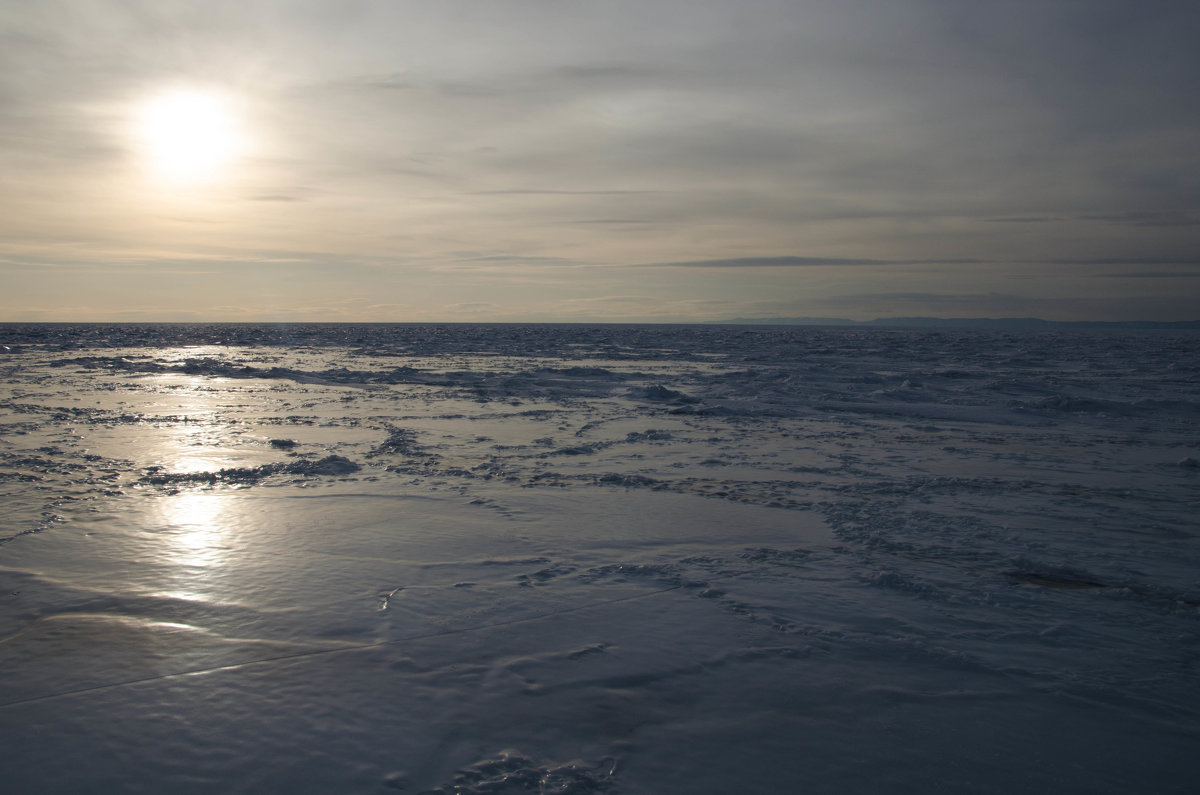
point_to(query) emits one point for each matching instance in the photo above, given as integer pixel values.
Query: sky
(561, 161)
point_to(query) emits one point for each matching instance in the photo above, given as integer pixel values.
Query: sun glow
(189, 134)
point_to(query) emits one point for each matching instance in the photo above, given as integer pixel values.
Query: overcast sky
(553, 160)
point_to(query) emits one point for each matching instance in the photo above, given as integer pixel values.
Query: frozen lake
(628, 559)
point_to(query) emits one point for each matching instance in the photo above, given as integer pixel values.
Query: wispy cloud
(517, 259)
(551, 192)
(1151, 219)
(276, 197)
(1105, 261)
(609, 221)
(1152, 275)
(801, 262)
(1169, 218)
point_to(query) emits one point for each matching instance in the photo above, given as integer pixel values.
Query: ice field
(568, 559)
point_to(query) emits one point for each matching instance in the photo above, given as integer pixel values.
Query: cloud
(611, 222)
(1152, 275)
(475, 310)
(1129, 218)
(518, 259)
(276, 197)
(550, 192)
(799, 262)
(1152, 219)
(404, 143)
(615, 299)
(1153, 261)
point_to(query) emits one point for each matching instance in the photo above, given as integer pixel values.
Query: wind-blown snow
(634, 559)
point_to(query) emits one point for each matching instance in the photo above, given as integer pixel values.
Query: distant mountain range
(961, 322)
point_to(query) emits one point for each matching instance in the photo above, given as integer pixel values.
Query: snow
(631, 559)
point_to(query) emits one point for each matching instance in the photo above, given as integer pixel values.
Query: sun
(189, 134)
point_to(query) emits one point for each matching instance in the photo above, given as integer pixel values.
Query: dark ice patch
(628, 481)
(660, 394)
(1056, 579)
(400, 441)
(329, 465)
(778, 557)
(511, 773)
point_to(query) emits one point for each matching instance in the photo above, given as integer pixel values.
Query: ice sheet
(570, 559)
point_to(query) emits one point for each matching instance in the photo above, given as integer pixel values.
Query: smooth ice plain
(628, 559)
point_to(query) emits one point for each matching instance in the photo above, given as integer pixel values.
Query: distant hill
(961, 322)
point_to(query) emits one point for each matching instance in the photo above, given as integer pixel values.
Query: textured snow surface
(563, 559)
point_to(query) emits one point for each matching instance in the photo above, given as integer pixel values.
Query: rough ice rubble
(329, 465)
(512, 772)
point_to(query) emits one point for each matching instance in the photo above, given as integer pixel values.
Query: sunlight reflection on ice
(198, 443)
(197, 529)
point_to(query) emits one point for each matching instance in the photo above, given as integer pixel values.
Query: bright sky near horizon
(550, 160)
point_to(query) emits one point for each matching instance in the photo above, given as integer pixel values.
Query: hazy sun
(189, 134)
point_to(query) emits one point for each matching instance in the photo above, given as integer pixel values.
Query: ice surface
(643, 559)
